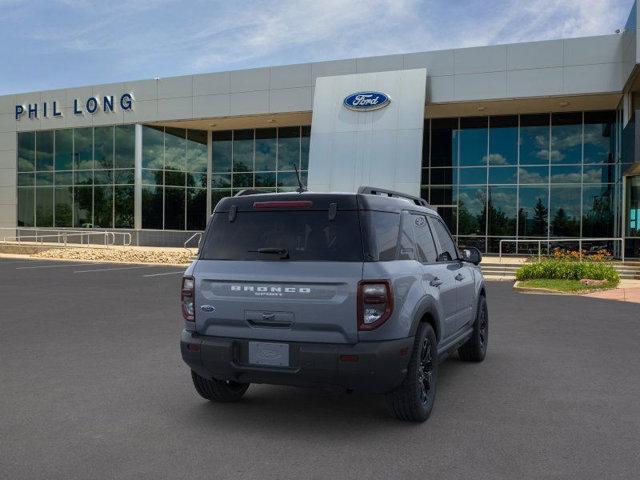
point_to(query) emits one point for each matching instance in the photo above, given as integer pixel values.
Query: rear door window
(382, 232)
(424, 240)
(303, 235)
(447, 250)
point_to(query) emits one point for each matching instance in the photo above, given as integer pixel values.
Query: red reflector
(349, 358)
(193, 347)
(284, 204)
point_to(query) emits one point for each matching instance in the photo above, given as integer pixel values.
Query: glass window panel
(533, 212)
(288, 148)
(424, 176)
(26, 202)
(221, 151)
(44, 207)
(442, 196)
(82, 206)
(102, 177)
(196, 208)
(103, 207)
(534, 175)
(26, 179)
(242, 180)
(176, 179)
(450, 217)
(243, 150)
(197, 179)
(123, 202)
(501, 175)
(83, 148)
(152, 177)
(599, 139)
(444, 176)
(426, 143)
(125, 151)
(597, 211)
(152, 147)
(221, 181)
(501, 210)
(197, 152)
(566, 138)
(471, 211)
(600, 173)
(503, 140)
(564, 212)
(265, 179)
(63, 206)
(217, 195)
(305, 141)
(152, 207)
(566, 174)
(103, 147)
(473, 176)
(444, 149)
(44, 150)
(83, 177)
(64, 149)
(26, 151)
(174, 203)
(288, 179)
(175, 149)
(266, 149)
(534, 139)
(124, 176)
(473, 141)
(44, 179)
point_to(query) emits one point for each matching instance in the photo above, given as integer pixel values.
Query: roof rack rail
(247, 191)
(391, 193)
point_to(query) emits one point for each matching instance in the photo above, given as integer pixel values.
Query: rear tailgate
(278, 300)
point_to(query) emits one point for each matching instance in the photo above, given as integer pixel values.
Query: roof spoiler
(392, 193)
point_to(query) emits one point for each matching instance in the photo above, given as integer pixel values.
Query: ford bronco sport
(362, 291)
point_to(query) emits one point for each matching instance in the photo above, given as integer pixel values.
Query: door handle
(436, 282)
(459, 277)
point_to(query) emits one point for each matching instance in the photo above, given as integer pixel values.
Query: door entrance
(632, 215)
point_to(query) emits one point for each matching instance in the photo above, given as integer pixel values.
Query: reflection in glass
(473, 176)
(304, 147)
(266, 149)
(83, 206)
(197, 151)
(443, 196)
(26, 205)
(175, 149)
(44, 150)
(44, 207)
(152, 207)
(471, 211)
(444, 146)
(501, 210)
(83, 148)
(566, 138)
(473, 141)
(288, 148)
(64, 149)
(152, 147)
(221, 151)
(196, 208)
(265, 179)
(533, 213)
(26, 179)
(571, 174)
(565, 211)
(534, 139)
(125, 150)
(243, 150)
(502, 175)
(444, 176)
(599, 141)
(605, 173)
(103, 207)
(123, 201)
(174, 204)
(534, 175)
(26, 151)
(44, 179)
(597, 211)
(103, 147)
(503, 140)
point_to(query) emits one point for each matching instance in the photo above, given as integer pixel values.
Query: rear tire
(413, 400)
(475, 349)
(218, 390)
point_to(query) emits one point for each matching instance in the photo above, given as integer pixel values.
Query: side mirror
(471, 255)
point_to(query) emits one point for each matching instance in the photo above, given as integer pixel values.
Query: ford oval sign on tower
(366, 101)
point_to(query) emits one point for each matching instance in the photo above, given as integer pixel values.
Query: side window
(407, 249)
(424, 241)
(447, 249)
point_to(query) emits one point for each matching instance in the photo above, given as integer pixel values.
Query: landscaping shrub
(568, 270)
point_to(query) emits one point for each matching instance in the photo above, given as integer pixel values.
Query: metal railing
(69, 237)
(191, 238)
(549, 242)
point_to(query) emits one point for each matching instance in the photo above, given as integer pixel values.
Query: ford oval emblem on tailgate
(207, 308)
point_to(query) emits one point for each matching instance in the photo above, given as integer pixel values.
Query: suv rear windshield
(298, 235)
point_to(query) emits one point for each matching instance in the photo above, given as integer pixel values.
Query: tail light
(375, 303)
(187, 298)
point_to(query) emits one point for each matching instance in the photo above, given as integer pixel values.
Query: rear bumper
(373, 367)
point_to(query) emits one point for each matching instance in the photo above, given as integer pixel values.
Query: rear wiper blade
(283, 252)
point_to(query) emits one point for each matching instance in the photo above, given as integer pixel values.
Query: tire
(475, 349)
(413, 400)
(218, 390)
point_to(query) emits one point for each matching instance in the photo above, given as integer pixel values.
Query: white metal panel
(291, 76)
(354, 148)
(249, 80)
(538, 81)
(175, 87)
(480, 59)
(535, 55)
(211, 83)
(248, 103)
(477, 86)
(590, 50)
(211, 106)
(604, 77)
(437, 63)
(290, 100)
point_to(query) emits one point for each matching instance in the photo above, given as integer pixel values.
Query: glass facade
(77, 177)
(539, 176)
(263, 159)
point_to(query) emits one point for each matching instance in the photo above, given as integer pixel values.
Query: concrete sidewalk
(627, 291)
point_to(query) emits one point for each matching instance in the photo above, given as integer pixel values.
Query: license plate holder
(269, 354)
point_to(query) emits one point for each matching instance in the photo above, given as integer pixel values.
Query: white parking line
(165, 273)
(112, 269)
(53, 266)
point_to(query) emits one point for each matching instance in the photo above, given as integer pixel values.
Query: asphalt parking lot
(92, 386)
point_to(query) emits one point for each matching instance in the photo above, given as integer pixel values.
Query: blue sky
(47, 44)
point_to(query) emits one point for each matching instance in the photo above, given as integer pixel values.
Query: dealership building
(519, 142)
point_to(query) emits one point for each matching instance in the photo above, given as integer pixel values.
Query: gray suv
(361, 291)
